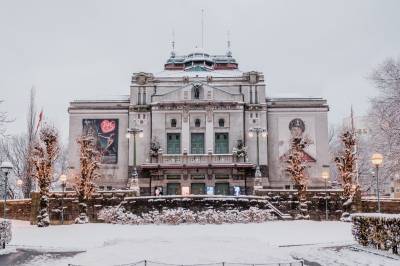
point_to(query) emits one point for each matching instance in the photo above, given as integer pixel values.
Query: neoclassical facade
(201, 126)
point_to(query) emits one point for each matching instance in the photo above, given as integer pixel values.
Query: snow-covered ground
(323, 243)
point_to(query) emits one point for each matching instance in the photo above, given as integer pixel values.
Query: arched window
(221, 122)
(197, 122)
(173, 122)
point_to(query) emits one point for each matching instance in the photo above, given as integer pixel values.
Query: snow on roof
(104, 98)
(201, 74)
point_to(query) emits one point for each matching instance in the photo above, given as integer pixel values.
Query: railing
(197, 158)
(155, 263)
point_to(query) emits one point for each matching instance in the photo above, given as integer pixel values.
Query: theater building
(200, 126)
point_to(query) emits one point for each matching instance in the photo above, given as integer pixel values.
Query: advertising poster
(236, 190)
(105, 132)
(210, 190)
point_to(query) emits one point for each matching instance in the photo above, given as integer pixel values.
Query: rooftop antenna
(202, 28)
(173, 43)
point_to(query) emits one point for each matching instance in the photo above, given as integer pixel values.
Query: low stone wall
(387, 205)
(19, 209)
(287, 202)
(138, 205)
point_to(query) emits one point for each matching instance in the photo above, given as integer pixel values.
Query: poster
(236, 191)
(210, 190)
(105, 132)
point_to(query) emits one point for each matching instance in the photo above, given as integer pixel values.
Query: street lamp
(133, 132)
(63, 179)
(377, 160)
(5, 167)
(258, 131)
(325, 176)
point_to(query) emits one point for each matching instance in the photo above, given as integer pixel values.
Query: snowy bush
(5, 233)
(118, 215)
(381, 231)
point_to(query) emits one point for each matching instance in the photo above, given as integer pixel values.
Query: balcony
(196, 161)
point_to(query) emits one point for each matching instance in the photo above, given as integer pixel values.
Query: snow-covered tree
(296, 166)
(346, 165)
(88, 172)
(44, 153)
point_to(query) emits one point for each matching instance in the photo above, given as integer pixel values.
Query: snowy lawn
(324, 243)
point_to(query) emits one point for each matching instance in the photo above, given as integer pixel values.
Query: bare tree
(88, 172)
(27, 178)
(44, 154)
(3, 121)
(384, 117)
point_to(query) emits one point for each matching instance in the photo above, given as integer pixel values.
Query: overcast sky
(79, 49)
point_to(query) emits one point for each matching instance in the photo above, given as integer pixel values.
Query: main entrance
(198, 188)
(222, 189)
(173, 189)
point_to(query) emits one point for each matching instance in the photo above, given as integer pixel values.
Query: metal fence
(155, 263)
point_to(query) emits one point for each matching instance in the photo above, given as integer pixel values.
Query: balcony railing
(197, 158)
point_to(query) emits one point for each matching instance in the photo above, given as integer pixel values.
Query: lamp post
(377, 160)
(133, 132)
(258, 131)
(63, 179)
(5, 168)
(325, 176)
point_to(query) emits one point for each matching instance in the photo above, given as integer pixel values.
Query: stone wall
(387, 205)
(19, 209)
(287, 202)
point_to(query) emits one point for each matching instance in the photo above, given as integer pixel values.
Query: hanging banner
(105, 133)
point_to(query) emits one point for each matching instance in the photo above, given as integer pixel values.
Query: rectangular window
(221, 176)
(221, 143)
(197, 143)
(173, 177)
(198, 177)
(173, 143)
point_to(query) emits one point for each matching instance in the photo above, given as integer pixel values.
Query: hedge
(380, 231)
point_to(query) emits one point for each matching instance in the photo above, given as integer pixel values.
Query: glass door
(198, 188)
(222, 189)
(173, 189)
(221, 143)
(173, 143)
(197, 143)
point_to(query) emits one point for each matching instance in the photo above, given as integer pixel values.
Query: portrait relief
(290, 128)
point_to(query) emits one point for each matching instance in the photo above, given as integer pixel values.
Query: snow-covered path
(326, 243)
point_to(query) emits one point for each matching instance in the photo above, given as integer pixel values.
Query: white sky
(79, 49)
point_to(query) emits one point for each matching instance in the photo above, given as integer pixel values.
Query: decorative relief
(142, 78)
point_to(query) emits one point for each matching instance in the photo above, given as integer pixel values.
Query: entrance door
(173, 189)
(222, 189)
(173, 143)
(198, 188)
(221, 143)
(197, 143)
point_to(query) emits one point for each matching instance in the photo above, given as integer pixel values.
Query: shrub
(5, 233)
(380, 231)
(119, 215)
